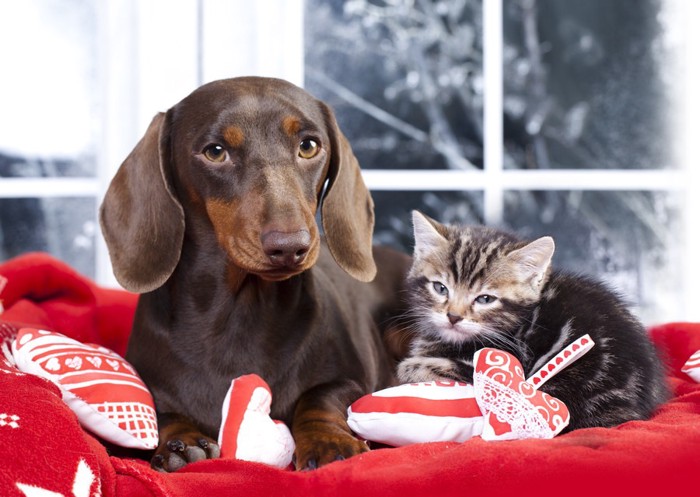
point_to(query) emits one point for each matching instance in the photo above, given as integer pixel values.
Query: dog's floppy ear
(142, 220)
(347, 210)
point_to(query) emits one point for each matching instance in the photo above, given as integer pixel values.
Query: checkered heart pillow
(101, 388)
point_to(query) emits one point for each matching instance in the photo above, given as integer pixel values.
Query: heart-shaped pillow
(247, 431)
(101, 388)
(437, 411)
(513, 408)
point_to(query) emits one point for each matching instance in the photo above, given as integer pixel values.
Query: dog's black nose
(286, 249)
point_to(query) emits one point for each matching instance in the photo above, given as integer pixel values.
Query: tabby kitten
(474, 287)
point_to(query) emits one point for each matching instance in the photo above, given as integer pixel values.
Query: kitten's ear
(533, 260)
(427, 233)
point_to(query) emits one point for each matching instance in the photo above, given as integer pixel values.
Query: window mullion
(493, 110)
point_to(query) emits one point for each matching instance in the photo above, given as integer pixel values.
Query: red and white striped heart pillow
(101, 388)
(435, 411)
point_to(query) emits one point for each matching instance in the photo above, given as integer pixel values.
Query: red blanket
(44, 449)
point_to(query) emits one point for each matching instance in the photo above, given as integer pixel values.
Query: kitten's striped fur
(473, 287)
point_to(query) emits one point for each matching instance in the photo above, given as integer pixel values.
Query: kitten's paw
(424, 369)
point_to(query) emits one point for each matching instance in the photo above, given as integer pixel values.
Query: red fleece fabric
(42, 446)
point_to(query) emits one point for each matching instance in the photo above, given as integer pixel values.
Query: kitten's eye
(440, 289)
(215, 153)
(485, 299)
(308, 148)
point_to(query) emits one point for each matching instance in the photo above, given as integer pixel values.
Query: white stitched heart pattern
(52, 365)
(95, 361)
(74, 362)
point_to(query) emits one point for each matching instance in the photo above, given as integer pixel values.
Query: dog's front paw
(176, 452)
(314, 450)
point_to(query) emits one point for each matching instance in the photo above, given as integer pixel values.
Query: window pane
(64, 227)
(403, 77)
(630, 239)
(394, 226)
(587, 84)
(48, 93)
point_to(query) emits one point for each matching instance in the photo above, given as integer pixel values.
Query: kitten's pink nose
(454, 318)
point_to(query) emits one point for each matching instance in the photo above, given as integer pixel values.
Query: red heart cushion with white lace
(101, 388)
(513, 407)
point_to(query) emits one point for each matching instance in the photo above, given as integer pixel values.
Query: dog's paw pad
(178, 452)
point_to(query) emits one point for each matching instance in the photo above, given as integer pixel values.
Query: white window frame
(154, 52)
(689, 132)
(494, 180)
(212, 39)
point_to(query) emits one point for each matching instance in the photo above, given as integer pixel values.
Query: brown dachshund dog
(212, 218)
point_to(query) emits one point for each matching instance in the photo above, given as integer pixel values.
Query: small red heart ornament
(512, 407)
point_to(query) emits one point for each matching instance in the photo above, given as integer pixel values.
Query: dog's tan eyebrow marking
(291, 125)
(234, 136)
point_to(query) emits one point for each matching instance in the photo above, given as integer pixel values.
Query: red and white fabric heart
(500, 405)
(247, 430)
(512, 407)
(100, 387)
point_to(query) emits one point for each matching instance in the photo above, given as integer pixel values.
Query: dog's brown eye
(215, 153)
(308, 148)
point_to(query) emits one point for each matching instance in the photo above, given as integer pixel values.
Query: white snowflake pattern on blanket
(83, 482)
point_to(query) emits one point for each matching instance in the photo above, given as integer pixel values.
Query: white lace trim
(508, 406)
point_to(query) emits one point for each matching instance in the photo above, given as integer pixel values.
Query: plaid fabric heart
(513, 408)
